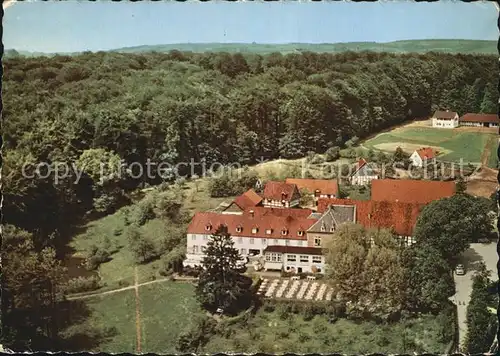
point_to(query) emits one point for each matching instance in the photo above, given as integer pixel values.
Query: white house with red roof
(423, 156)
(363, 173)
(251, 231)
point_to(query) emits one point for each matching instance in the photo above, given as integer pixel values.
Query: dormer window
(239, 229)
(332, 229)
(269, 231)
(284, 232)
(254, 230)
(300, 233)
(208, 227)
(323, 228)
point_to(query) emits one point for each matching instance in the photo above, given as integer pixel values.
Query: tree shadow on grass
(76, 332)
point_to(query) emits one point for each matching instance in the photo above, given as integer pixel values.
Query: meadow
(451, 145)
(166, 310)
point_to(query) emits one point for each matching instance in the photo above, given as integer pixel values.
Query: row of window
(252, 240)
(195, 249)
(276, 257)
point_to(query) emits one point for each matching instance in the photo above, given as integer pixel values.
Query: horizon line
(250, 43)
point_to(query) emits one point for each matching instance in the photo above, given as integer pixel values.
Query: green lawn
(453, 144)
(119, 271)
(268, 333)
(492, 148)
(109, 325)
(468, 146)
(167, 309)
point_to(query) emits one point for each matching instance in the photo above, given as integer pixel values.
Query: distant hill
(419, 46)
(449, 46)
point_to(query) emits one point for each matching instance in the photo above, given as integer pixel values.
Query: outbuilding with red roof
(423, 156)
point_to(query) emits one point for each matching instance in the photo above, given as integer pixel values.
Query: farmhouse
(400, 217)
(294, 259)
(247, 200)
(445, 119)
(423, 156)
(280, 195)
(411, 191)
(480, 120)
(363, 173)
(318, 188)
(251, 232)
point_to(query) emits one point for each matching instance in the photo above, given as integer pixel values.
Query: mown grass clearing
(167, 310)
(452, 144)
(109, 326)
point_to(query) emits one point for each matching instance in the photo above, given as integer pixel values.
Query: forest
(180, 106)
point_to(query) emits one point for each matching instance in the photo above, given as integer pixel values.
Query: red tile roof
(426, 153)
(208, 222)
(279, 191)
(401, 217)
(411, 191)
(361, 163)
(248, 199)
(480, 118)
(295, 213)
(294, 249)
(325, 186)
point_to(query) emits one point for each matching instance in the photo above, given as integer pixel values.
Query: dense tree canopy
(365, 266)
(449, 225)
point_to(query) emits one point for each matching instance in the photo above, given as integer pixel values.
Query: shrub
(96, 256)
(307, 312)
(144, 250)
(144, 211)
(82, 284)
(332, 154)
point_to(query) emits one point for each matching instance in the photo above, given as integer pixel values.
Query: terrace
(295, 289)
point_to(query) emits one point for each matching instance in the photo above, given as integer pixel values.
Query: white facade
(362, 180)
(417, 161)
(247, 246)
(294, 262)
(478, 124)
(445, 123)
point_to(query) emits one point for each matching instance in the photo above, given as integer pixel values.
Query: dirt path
(486, 152)
(116, 290)
(86, 296)
(137, 311)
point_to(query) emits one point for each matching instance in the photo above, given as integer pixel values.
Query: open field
(109, 326)
(451, 144)
(273, 333)
(166, 310)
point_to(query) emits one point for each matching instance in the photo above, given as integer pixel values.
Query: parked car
(460, 270)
